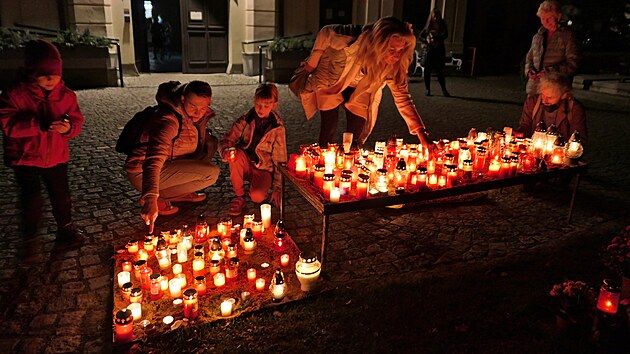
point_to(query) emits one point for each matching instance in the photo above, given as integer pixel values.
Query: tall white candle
(123, 277)
(177, 268)
(182, 252)
(335, 194)
(175, 287)
(136, 310)
(265, 214)
(226, 308)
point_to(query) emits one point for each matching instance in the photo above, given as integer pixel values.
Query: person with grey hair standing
(554, 48)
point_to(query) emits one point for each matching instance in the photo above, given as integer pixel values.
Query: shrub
(290, 44)
(10, 39)
(73, 38)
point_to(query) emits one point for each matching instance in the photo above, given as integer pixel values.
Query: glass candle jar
(278, 287)
(218, 279)
(126, 290)
(175, 288)
(329, 183)
(248, 220)
(451, 175)
(215, 266)
(145, 280)
(480, 159)
(123, 277)
(191, 304)
(216, 249)
(251, 274)
(182, 252)
(124, 326)
(198, 265)
(135, 295)
(156, 287)
(201, 229)
(345, 182)
(363, 184)
(200, 285)
(231, 269)
(224, 225)
(318, 175)
(132, 247)
(257, 227)
(608, 300)
(249, 242)
(467, 170)
(148, 244)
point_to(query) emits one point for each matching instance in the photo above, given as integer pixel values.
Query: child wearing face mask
(39, 115)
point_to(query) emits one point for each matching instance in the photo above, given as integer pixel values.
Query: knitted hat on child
(42, 58)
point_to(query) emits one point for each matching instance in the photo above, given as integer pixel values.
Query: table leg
(575, 189)
(324, 239)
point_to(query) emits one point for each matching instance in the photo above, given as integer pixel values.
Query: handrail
(53, 33)
(260, 48)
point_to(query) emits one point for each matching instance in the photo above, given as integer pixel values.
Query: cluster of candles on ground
(212, 258)
(394, 167)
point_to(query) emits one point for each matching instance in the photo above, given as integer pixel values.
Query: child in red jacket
(39, 114)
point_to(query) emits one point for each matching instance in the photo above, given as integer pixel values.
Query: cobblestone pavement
(63, 302)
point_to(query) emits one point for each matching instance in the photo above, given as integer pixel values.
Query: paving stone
(32, 345)
(380, 242)
(41, 321)
(64, 344)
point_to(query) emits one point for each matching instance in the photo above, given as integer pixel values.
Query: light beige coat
(337, 67)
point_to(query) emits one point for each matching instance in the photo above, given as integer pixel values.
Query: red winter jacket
(24, 109)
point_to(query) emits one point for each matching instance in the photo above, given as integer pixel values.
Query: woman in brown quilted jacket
(172, 161)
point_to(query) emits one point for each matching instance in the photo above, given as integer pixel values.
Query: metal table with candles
(326, 208)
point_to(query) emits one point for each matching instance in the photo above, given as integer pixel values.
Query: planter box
(281, 65)
(83, 67)
(251, 63)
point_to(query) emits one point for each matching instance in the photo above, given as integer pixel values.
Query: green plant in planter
(290, 44)
(10, 39)
(73, 39)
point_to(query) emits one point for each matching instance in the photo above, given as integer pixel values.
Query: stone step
(613, 88)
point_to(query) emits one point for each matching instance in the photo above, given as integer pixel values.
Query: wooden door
(204, 36)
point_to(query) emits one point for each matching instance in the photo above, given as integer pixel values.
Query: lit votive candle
(432, 181)
(226, 308)
(177, 268)
(123, 277)
(251, 274)
(442, 181)
(265, 214)
(143, 255)
(136, 310)
(219, 279)
(335, 194)
(493, 169)
(200, 285)
(248, 220)
(126, 266)
(132, 247)
(257, 228)
(284, 260)
(300, 167)
(164, 282)
(215, 266)
(182, 279)
(260, 284)
(175, 287)
(182, 252)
